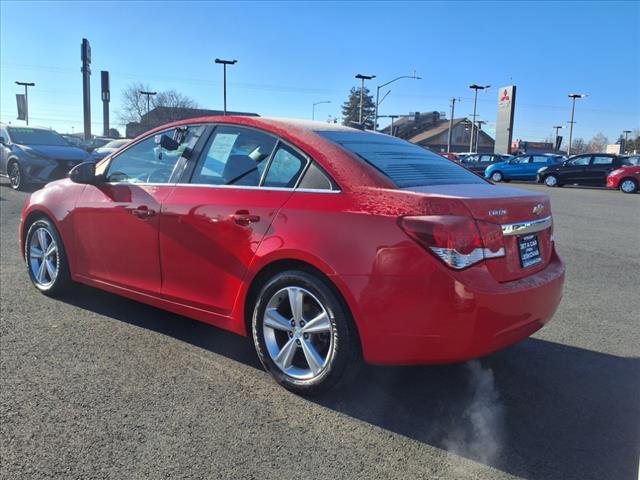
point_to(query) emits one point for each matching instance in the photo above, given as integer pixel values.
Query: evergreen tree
(351, 108)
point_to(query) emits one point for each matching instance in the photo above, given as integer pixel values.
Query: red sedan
(626, 178)
(325, 244)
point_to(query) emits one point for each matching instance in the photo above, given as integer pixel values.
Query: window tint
(314, 178)
(234, 156)
(147, 162)
(36, 136)
(407, 165)
(580, 161)
(285, 168)
(540, 159)
(524, 159)
(602, 160)
(486, 158)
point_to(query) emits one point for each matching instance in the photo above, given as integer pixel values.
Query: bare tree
(579, 146)
(134, 104)
(598, 143)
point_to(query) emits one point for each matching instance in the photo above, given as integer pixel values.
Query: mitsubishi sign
(504, 121)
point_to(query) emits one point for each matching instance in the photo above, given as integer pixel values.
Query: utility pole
(106, 97)
(363, 78)
(149, 95)
(453, 107)
(480, 123)
(313, 109)
(475, 101)
(224, 64)
(85, 55)
(26, 85)
(573, 97)
(626, 133)
(378, 101)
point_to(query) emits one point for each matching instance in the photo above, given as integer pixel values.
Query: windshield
(406, 164)
(36, 136)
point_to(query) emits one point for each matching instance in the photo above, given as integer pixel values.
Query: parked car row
(35, 155)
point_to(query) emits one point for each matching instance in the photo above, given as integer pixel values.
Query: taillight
(458, 241)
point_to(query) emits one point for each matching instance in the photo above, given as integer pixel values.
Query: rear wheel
(551, 181)
(16, 177)
(497, 176)
(629, 185)
(303, 333)
(46, 258)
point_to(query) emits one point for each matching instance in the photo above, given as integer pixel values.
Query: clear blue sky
(292, 54)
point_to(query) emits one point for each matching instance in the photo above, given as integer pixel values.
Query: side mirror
(3, 141)
(166, 142)
(84, 173)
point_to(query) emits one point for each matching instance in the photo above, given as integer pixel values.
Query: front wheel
(46, 258)
(16, 176)
(497, 177)
(551, 181)
(629, 185)
(303, 333)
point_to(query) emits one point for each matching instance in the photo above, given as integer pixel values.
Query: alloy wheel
(298, 333)
(551, 181)
(14, 175)
(628, 186)
(43, 257)
(496, 177)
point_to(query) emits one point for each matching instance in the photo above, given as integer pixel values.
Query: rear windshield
(406, 164)
(36, 136)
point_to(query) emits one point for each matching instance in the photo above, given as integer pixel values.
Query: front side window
(524, 159)
(602, 160)
(285, 168)
(147, 161)
(406, 164)
(540, 159)
(580, 161)
(234, 156)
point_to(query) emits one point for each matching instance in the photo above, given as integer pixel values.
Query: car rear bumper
(448, 318)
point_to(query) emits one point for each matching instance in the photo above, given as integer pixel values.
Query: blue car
(522, 167)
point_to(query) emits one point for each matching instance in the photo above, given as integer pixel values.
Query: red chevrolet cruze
(324, 243)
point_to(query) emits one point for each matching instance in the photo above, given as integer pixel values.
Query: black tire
(62, 280)
(345, 357)
(632, 182)
(497, 176)
(16, 175)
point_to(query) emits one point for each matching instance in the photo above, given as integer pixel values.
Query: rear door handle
(244, 218)
(143, 212)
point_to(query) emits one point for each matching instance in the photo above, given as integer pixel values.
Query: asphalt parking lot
(97, 386)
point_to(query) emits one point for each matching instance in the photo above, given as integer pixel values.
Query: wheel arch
(33, 215)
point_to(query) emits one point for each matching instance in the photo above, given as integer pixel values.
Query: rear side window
(602, 160)
(285, 168)
(406, 164)
(316, 179)
(540, 159)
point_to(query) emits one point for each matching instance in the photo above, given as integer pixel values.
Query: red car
(627, 177)
(324, 243)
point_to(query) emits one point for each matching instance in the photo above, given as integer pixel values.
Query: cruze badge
(538, 208)
(495, 213)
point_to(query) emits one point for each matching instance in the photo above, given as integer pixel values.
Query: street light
(375, 121)
(26, 85)
(313, 109)
(224, 64)
(363, 78)
(149, 95)
(626, 133)
(573, 97)
(475, 101)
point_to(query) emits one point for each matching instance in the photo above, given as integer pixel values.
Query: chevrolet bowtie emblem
(538, 209)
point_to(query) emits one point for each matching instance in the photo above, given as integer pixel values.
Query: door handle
(244, 218)
(143, 212)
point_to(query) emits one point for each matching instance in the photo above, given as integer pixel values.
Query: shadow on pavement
(538, 409)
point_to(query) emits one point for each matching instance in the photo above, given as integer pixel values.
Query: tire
(551, 181)
(50, 274)
(282, 345)
(628, 185)
(16, 175)
(497, 177)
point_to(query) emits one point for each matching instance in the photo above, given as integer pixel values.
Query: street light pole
(626, 133)
(480, 123)
(363, 78)
(573, 97)
(475, 101)
(26, 85)
(224, 67)
(375, 120)
(313, 109)
(453, 107)
(557, 127)
(149, 95)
